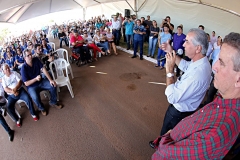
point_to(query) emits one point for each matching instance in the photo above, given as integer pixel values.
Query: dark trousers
(172, 118)
(84, 53)
(116, 34)
(2, 120)
(136, 44)
(65, 40)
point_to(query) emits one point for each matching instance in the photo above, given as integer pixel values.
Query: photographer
(167, 20)
(128, 23)
(139, 31)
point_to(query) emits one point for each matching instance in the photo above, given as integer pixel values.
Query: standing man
(213, 38)
(129, 24)
(149, 24)
(116, 25)
(138, 31)
(187, 92)
(31, 76)
(211, 131)
(178, 41)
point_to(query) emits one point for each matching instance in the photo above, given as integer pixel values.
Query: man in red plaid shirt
(210, 132)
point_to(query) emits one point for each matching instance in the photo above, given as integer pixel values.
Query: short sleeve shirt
(29, 72)
(74, 39)
(11, 81)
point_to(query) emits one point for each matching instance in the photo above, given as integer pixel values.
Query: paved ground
(112, 116)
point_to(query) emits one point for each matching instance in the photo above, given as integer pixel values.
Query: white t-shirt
(11, 81)
(2, 100)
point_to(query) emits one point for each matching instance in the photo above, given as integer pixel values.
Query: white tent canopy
(219, 15)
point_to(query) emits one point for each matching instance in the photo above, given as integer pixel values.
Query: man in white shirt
(12, 85)
(187, 92)
(116, 25)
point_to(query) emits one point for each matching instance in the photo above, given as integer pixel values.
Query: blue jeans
(12, 99)
(116, 34)
(129, 38)
(4, 124)
(172, 118)
(104, 45)
(152, 45)
(140, 43)
(35, 93)
(161, 54)
(65, 40)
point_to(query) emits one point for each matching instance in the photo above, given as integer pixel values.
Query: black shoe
(133, 56)
(141, 58)
(152, 56)
(128, 48)
(152, 145)
(11, 135)
(148, 55)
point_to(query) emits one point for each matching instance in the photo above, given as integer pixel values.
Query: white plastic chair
(60, 53)
(60, 78)
(52, 45)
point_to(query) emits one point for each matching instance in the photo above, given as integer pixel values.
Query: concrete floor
(112, 116)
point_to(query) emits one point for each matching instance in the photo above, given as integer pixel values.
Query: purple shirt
(178, 41)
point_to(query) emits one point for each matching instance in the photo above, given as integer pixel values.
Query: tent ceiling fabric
(20, 10)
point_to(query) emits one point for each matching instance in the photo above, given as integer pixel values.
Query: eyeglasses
(29, 55)
(85, 33)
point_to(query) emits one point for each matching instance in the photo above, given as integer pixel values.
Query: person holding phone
(31, 76)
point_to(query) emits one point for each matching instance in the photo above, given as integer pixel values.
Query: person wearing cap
(77, 42)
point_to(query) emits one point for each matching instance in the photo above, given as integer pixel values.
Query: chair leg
(71, 71)
(70, 89)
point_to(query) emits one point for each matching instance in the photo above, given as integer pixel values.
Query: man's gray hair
(233, 40)
(4, 65)
(25, 52)
(200, 38)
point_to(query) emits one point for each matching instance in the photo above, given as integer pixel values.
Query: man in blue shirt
(31, 76)
(129, 24)
(139, 31)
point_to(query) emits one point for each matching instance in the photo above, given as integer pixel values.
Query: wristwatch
(169, 75)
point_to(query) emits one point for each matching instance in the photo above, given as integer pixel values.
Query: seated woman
(10, 60)
(110, 39)
(89, 41)
(19, 59)
(100, 41)
(46, 47)
(12, 85)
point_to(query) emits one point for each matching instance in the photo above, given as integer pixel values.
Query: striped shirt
(209, 133)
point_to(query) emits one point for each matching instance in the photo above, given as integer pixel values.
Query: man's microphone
(179, 52)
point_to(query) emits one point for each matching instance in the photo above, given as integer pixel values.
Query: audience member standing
(139, 31)
(153, 38)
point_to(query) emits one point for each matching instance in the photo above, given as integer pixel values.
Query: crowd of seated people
(100, 35)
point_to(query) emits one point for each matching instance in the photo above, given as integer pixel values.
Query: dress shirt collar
(231, 103)
(198, 62)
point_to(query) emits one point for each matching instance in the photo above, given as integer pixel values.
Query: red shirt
(74, 39)
(209, 133)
